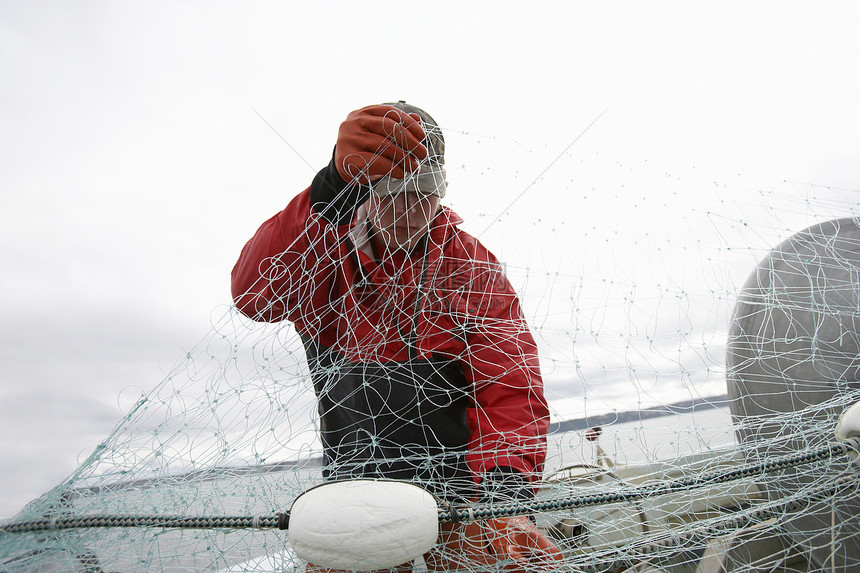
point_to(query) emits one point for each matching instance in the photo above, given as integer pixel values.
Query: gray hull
(793, 364)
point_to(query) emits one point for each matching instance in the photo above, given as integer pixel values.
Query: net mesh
(687, 314)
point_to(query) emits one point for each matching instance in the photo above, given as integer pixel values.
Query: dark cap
(434, 141)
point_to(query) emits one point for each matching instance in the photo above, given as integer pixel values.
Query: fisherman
(423, 365)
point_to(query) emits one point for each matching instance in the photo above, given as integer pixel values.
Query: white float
(363, 525)
(848, 427)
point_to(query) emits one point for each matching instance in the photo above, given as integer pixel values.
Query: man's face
(401, 210)
(401, 220)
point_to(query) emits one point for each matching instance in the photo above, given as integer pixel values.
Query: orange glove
(519, 540)
(379, 140)
(514, 543)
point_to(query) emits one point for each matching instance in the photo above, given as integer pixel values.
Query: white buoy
(849, 423)
(363, 525)
(848, 428)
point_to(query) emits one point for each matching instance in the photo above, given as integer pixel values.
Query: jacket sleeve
(510, 417)
(288, 270)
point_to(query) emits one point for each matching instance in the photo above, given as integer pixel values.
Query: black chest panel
(393, 420)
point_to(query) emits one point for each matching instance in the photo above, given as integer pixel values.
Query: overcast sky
(136, 153)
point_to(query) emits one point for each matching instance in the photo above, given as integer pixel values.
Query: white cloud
(134, 167)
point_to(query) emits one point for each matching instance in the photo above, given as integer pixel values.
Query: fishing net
(697, 342)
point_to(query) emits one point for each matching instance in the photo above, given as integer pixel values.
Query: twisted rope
(698, 537)
(467, 513)
(277, 521)
(636, 493)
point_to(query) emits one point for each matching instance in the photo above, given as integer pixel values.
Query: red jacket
(445, 311)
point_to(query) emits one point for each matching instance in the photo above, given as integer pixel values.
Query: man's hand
(518, 539)
(379, 140)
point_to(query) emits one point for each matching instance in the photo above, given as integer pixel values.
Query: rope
(698, 537)
(277, 521)
(683, 484)
(469, 513)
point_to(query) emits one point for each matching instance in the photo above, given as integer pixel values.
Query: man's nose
(410, 202)
(413, 203)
